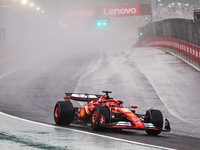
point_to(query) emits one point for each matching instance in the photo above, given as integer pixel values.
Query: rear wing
(82, 96)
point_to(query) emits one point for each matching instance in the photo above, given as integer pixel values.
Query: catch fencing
(181, 35)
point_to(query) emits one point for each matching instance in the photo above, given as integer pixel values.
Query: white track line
(9, 73)
(104, 136)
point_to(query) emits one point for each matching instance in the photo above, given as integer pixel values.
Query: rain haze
(56, 44)
(49, 30)
(50, 47)
(52, 43)
(43, 30)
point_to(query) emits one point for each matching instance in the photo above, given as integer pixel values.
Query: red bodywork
(115, 107)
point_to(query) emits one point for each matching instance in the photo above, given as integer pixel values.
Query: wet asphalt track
(144, 77)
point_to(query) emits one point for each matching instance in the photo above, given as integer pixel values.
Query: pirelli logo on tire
(2, 34)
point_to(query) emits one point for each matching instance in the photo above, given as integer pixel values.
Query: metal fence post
(153, 10)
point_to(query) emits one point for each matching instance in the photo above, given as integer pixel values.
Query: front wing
(130, 125)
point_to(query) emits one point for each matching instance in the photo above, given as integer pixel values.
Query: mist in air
(51, 52)
(44, 34)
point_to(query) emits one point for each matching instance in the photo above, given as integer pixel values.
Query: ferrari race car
(101, 112)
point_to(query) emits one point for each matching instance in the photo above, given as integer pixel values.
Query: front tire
(156, 118)
(99, 117)
(63, 113)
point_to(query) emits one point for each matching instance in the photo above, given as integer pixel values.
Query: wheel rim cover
(57, 112)
(94, 117)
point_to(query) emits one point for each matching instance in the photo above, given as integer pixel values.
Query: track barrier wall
(184, 49)
(182, 29)
(180, 36)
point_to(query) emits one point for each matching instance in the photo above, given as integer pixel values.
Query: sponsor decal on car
(83, 96)
(87, 110)
(102, 119)
(125, 110)
(131, 114)
(122, 123)
(149, 125)
(82, 113)
(100, 99)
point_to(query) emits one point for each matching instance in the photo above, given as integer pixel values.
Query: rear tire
(156, 119)
(63, 113)
(99, 117)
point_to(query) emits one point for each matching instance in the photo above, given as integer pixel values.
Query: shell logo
(131, 114)
(82, 113)
(87, 110)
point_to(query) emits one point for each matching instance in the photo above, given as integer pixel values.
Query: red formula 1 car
(102, 112)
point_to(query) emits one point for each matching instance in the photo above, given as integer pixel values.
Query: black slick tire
(63, 113)
(156, 118)
(99, 117)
